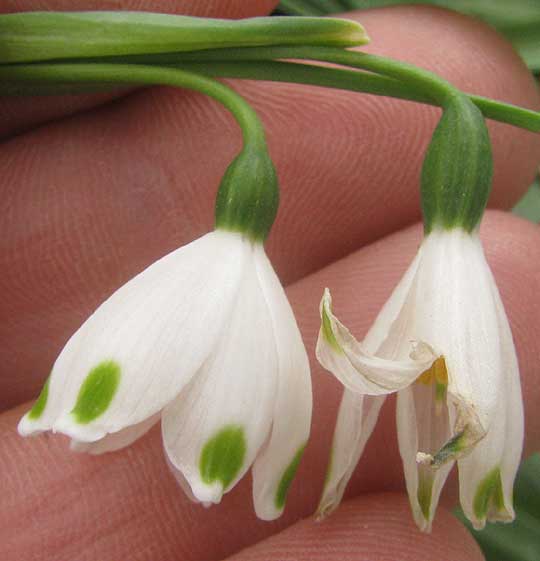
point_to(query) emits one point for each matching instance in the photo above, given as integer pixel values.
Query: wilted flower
(204, 339)
(444, 343)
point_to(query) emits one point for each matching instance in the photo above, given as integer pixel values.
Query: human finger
(377, 527)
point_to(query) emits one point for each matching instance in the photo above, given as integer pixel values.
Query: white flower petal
(215, 427)
(358, 413)
(357, 369)
(276, 464)
(182, 481)
(451, 304)
(487, 474)
(142, 345)
(356, 420)
(456, 315)
(116, 440)
(423, 428)
(514, 433)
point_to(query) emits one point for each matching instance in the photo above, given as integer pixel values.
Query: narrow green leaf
(38, 36)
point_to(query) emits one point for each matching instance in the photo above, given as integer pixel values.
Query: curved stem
(247, 118)
(253, 63)
(357, 81)
(429, 83)
(406, 82)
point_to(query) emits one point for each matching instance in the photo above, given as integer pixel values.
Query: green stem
(416, 84)
(248, 120)
(431, 85)
(248, 195)
(357, 81)
(18, 80)
(407, 82)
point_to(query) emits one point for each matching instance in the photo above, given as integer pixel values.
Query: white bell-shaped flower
(443, 342)
(204, 339)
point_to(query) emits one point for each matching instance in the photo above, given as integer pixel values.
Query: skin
(93, 191)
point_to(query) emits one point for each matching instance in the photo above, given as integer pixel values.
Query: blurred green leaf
(519, 541)
(529, 207)
(519, 20)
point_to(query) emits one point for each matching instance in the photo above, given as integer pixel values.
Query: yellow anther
(436, 373)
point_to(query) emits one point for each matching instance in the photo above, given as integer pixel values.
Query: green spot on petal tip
(97, 392)
(328, 332)
(440, 391)
(287, 478)
(424, 493)
(223, 456)
(488, 493)
(39, 406)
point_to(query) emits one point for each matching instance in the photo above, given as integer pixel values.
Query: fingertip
(377, 527)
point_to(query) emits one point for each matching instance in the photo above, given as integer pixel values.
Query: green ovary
(223, 456)
(97, 392)
(287, 478)
(41, 402)
(488, 493)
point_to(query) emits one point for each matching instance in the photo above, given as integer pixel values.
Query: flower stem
(358, 81)
(458, 167)
(95, 73)
(421, 81)
(259, 63)
(248, 196)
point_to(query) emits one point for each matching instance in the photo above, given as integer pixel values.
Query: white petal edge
(357, 369)
(276, 464)
(234, 390)
(502, 447)
(409, 423)
(457, 316)
(356, 420)
(357, 413)
(116, 440)
(159, 328)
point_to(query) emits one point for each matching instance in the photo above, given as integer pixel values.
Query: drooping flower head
(205, 341)
(443, 342)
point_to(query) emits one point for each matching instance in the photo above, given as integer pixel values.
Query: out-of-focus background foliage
(519, 21)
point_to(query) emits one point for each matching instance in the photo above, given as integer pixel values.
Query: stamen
(437, 374)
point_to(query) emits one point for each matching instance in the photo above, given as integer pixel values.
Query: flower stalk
(248, 196)
(265, 63)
